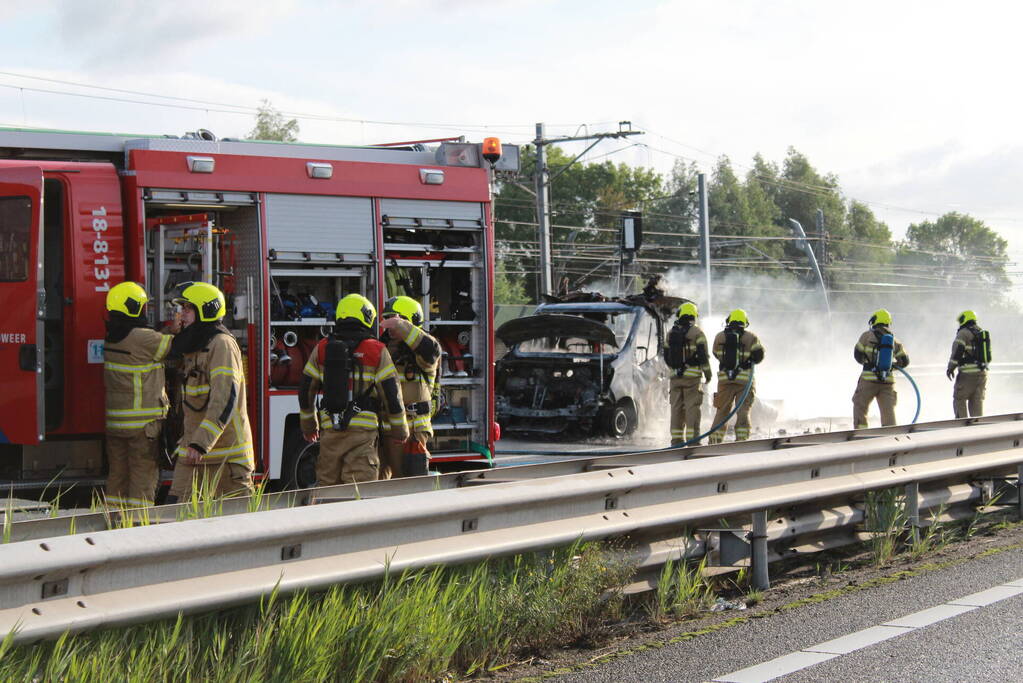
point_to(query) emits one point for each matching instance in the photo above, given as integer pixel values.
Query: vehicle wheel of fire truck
(298, 471)
(622, 420)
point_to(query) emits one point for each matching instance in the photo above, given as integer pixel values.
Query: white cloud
(139, 34)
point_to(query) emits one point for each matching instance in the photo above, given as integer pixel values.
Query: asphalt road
(885, 635)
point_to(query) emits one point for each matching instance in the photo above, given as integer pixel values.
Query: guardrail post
(1019, 490)
(913, 509)
(758, 551)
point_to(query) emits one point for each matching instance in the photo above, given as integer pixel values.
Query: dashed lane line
(822, 652)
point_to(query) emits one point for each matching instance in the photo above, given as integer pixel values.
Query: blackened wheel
(622, 420)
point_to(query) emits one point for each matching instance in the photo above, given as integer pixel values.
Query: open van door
(23, 305)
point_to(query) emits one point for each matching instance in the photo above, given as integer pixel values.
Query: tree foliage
(750, 215)
(961, 249)
(270, 125)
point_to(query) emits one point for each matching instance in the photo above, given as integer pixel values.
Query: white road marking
(822, 652)
(782, 666)
(858, 640)
(984, 598)
(932, 615)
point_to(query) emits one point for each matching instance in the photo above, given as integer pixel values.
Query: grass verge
(421, 625)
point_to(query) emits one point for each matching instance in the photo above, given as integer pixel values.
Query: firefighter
(416, 355)
(737, 350)
(971, 352)
(686, 354)
(136, 399)
(877, 380)
(215, 452)
(358, 381)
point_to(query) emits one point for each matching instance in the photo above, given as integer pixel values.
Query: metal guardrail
(574, 463)
(121, 576)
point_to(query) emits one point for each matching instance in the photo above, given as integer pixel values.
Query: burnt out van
(584, 368)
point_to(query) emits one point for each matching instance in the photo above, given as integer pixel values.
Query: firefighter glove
(950, 372)
(707, 375)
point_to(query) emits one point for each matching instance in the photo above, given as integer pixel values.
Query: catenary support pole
(701, 186)
(543, 213)
(758, 551)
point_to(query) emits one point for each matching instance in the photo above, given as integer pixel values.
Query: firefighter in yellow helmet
(136, 398)
(215, 453)
(877, 382)
(971, 353)
(687, 356)
(737, 350)
(358, 381)
(416, 355)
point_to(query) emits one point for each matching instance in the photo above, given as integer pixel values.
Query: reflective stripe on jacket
(216, 419)
(416, 355)
(748, 344)
(694, 341)
(866, 352)
(965, 351)
(134, 379)
(373, 372)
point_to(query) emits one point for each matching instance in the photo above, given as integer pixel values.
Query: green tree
(508, 290)
(270, 125)
(963, 250)
(586, 201)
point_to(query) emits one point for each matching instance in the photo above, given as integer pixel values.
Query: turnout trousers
(968, 394)
(134, 468)
(727, 395)
(347, 456)
(866, 392)
(686, 397)
(408, 459)
(216, 479)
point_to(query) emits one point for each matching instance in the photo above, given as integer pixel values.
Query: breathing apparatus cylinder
(675, 354)
(983, 348)
(730, 357)
(885, 353)
(336, 392)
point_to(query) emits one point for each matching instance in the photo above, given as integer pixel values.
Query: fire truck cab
(285, 230)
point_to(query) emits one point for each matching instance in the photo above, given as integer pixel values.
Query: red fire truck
(285, 230)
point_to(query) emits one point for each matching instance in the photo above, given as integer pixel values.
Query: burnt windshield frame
(607, 309)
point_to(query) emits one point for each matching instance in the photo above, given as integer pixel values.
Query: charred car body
(586, 365)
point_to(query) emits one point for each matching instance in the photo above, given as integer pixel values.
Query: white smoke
(809, 375)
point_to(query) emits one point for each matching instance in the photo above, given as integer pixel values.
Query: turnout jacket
(216, 420)
(751, 352)
(416, 355)
(694, 346)
(135, 382)
(965, 354)
(372, 374)
(865, 354)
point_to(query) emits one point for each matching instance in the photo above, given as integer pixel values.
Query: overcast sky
(913, 104)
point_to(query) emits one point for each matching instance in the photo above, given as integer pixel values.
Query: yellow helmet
(128, 298)
(967, 317)
(405, 307)
(881, 317)
(357, 307)
(737, 316)
(207, 299)
(688, 308)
